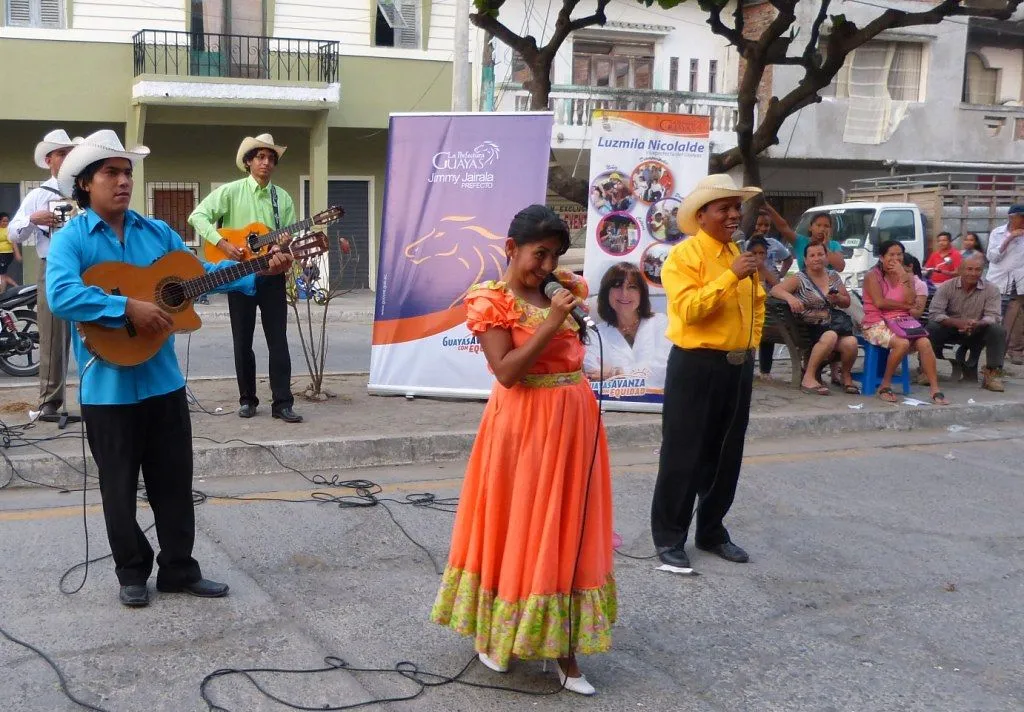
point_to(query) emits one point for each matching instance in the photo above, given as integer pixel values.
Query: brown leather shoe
(992, 380)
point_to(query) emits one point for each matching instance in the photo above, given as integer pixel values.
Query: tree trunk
(560, 181)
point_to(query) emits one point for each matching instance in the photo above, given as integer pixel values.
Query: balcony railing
(195, 54)
(574, 105)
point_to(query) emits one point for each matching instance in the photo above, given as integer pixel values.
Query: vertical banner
(641, 166)
(454, 182)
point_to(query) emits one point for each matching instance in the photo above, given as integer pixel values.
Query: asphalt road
(210, 354)
(887, 574)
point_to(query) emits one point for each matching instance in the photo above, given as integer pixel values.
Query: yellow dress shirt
(708, 306)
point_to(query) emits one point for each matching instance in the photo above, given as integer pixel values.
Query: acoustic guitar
(172, 283)
(255, 237)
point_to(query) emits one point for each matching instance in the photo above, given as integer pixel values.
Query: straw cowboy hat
(261, 141)
(714, 187)
(53, 141)
(97, 146)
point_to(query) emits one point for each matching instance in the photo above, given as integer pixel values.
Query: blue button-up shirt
(85, 241)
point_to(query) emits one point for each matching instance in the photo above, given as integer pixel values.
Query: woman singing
(530, 574)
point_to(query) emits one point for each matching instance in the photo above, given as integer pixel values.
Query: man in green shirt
(234, 205)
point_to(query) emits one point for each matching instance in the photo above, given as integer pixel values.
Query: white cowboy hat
(714, 187)
(261, 141)
(53, 141)
(97, 146)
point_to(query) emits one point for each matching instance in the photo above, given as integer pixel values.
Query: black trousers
(766, 356)
(270, 298)
(154, 436)
(991, 337)
(704, 423)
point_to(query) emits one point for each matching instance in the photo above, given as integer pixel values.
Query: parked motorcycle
(19, 332)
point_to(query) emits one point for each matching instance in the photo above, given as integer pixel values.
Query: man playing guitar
(136, 416)
(254, 199)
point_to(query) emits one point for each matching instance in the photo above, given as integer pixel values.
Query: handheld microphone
(552, 287)
(740, 239)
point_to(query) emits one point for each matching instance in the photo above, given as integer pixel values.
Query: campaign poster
(642, 164)
(453, 184)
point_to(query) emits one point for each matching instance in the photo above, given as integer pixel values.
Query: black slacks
(154, 436)
(270, 298)
(991, 337)
(704, 423)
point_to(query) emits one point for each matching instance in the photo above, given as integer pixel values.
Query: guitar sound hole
(172, 294)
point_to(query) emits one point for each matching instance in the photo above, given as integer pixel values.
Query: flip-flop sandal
(939, 398)
(887, 395)
(819, 390)
(851, 389)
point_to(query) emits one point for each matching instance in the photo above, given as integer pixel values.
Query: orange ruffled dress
(525, 503)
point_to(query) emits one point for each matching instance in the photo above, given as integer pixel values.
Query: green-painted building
(191, 78)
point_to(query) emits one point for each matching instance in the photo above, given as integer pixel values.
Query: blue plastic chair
(875, 358)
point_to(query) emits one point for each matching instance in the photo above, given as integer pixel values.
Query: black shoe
(135, 595)
(247, 411)
(203, 588)
(674, 556)
(728, 551)
(287, 415)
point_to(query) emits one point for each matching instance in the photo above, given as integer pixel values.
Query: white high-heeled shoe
(579, 685)
(490, 663)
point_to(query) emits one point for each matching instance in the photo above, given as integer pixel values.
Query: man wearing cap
(254, 199)
(34, 220)
(715, 310)
(1006, 270)
(136, 417)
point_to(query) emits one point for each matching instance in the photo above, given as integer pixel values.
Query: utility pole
(488, 73)
(460, 64)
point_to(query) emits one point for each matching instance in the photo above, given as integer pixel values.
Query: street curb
(233, 458)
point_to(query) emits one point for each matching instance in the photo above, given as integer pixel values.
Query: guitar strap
(273, 203)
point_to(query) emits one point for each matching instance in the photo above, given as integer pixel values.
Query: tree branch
(811, 50)
(525, 46)
(734, 35)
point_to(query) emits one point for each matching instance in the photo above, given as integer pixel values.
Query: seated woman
(812, 294)
(633, 336)
(888, 298)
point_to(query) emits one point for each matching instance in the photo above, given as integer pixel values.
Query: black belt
(733, 358)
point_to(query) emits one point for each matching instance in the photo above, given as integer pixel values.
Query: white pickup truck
(860, 227)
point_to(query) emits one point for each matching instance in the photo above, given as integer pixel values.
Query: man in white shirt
(34, 220)
(1006, 270)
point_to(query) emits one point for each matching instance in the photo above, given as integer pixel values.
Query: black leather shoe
(247, 411)
(203, 588)
(287, 415)
(674, 556)
(134, 596)
(728, 551)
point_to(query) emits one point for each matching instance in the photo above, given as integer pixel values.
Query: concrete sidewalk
(354, 429)
(355, 306)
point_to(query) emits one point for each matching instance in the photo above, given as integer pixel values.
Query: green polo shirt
(238, 204)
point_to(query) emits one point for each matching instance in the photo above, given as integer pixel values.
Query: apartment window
(35, 13)
(694, 73)
(981, 84)
(173, 203)
(619, 64)
(398, 24)
(673, 73)
(713, 76)
(520, 71)
(879, 69)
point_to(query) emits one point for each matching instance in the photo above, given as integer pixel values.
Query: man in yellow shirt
(8, 253)
(715, 315)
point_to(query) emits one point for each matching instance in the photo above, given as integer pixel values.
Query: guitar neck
(218, 278)
(272, 237)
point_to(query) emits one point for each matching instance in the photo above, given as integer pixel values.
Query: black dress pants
(991, 337)
(704, 423)
(154, 436)
(270, 298)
